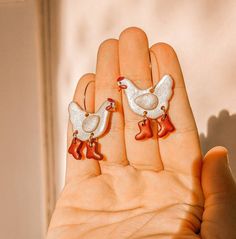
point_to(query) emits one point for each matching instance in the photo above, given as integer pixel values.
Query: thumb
(219, 188)
(216, 174)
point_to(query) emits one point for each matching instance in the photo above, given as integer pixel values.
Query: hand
(144, 189)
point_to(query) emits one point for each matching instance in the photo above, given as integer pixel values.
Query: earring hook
(85, 91)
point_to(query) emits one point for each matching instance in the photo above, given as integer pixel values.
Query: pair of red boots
(92, 149)
(164, 127)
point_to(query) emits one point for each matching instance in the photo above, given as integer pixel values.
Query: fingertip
(216, 173)
(162, 47)
(135, 32)
(217, 152)
(215, 159)
(108, 44)
(83, 81)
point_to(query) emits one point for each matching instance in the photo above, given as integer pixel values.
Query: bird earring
(151, 104)
(88, 127)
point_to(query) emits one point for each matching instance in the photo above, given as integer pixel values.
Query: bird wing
(76, 115)
(163, 90)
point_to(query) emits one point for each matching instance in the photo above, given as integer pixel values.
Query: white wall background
(202, 32)
(22, 197)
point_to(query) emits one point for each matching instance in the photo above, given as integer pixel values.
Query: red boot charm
(145, 129)
(92, 150)
(164, 125)
(75, 147)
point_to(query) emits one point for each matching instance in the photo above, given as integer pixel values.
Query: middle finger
(135, 65)
(112, 143)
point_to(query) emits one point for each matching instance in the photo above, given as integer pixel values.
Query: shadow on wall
(221, 130)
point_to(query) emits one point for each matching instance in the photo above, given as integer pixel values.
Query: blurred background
(47, 45)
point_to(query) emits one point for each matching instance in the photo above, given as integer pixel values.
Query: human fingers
(135, 65)
(219, 217)
(112, 143)
(180, 151)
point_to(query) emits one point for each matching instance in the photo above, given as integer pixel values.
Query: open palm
(142, 189)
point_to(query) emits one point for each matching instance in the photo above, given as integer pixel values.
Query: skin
(157, 188)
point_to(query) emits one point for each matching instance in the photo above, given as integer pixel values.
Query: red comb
(121, 78)
(110, 100)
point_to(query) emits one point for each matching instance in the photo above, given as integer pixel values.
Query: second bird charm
(151, 104)
(87, 127)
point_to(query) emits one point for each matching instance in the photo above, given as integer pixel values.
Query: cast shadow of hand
(221, 130)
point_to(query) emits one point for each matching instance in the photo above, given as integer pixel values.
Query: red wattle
(123, 87)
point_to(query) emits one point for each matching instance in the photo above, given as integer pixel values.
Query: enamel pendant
(88, 127)
(151, 104)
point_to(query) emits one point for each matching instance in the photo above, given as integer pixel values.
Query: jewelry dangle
(149, 103)
(92, 149)
(75, 146)
(164, 124)
(88, 127)
(145, 130)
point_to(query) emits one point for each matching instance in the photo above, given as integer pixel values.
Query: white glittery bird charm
(151, 103)
(88, 127)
